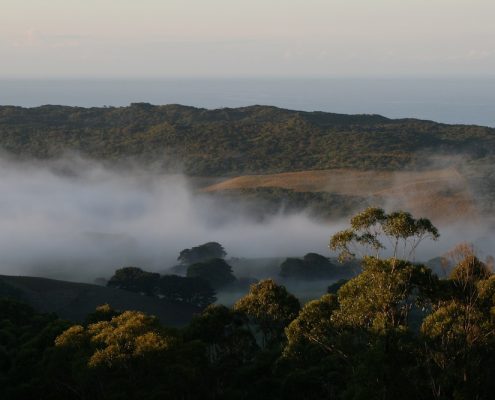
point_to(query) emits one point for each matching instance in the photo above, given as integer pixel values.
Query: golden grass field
(439, 194)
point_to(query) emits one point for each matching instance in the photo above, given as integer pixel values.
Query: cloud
(75, 219)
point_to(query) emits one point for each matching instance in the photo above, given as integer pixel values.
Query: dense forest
(396, 330)
(223, 142)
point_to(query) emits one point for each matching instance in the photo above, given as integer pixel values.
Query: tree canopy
(372, 229)
(204, 252)
(216, 271)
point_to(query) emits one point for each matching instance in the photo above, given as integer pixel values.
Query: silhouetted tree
(191, 290)
(312, 266)
(201, 253)
(134, 279)
(215, 271)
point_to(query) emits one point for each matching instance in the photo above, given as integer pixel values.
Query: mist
(77, 219)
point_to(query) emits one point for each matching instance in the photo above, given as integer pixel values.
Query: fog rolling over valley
(75, 219)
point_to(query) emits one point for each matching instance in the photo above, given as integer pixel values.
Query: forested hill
(256, 139)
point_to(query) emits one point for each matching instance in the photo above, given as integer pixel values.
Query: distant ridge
(237, 141)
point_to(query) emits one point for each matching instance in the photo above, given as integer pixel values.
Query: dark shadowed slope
(74, 301)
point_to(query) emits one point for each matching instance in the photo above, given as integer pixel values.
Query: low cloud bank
(75, 219)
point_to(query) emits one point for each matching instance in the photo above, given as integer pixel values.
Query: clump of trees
(311, 266)
(215, 271)
(193, 290)
(202, 253)
(134, 279)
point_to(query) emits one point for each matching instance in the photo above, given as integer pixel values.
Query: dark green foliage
(312, 266)
(215, 271)
(9, 291)
(257, 139)
(134, 279)
(191, 290)
(195, 291)
(224, 331)
(201, 253)
(270, 307)
(26, 338)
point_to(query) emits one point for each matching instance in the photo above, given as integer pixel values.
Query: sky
(253, 38)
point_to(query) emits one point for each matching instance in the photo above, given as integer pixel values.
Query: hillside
(229, 142)
(441, 194)
(74, 301)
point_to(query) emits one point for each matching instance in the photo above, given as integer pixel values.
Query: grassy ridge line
(441, 194)
(238, 141)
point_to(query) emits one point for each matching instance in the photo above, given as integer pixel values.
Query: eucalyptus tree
(373, 229)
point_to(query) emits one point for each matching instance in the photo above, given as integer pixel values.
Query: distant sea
(449, 100)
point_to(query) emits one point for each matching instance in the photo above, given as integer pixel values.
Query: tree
(191, 290)
(271, 307)
(316, 363)
(204, 252)
(312, 266)
(292, 267)
(125, 337)
(381, 297)
(215, 271)
(134, 279)
(102, 313)
(459, 334)
(312, 332)
(370, 227)
(128, 356)
(26, 338)
(225, 333)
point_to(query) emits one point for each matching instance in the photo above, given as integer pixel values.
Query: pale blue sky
(167, 38)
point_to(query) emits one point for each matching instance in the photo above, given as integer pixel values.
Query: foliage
(225, 333)
(460, 332)
(312, 331)
(129, 356)
(204, 252)
(312, 266)
(382, 296)
(190, 290)
(134, 279)
(117, 342)
(257, 139)
(25, 339)
(215, 271)
(195, 291)
(370, 227)
(394, 331)
(270, 307)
